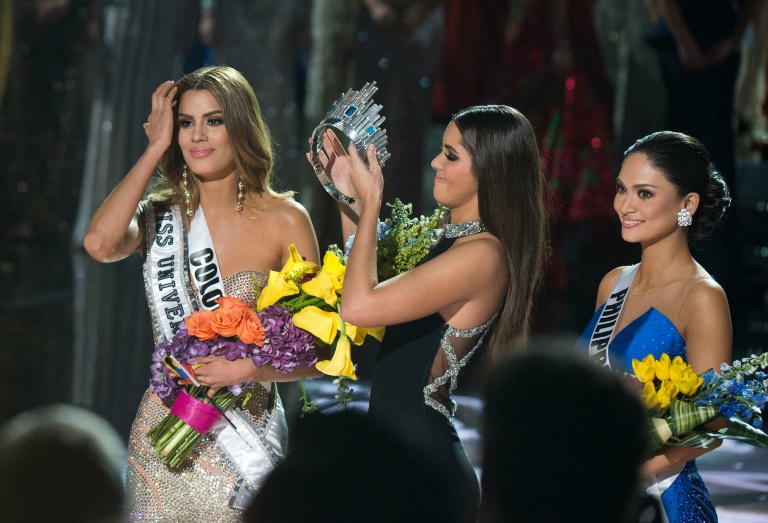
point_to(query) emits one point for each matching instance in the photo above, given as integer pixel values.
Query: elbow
(361, 314)
(352, 313)
(95, 247)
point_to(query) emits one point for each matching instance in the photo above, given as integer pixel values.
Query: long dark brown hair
(510, 182)
(247, 131)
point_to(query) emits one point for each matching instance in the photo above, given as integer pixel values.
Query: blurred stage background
(75, 80)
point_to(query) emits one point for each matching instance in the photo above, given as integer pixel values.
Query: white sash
(203, 262)
(166, 271)
(609, 317)
(252, 450)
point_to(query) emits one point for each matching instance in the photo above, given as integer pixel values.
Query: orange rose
(250, 329)
(226, 302)
(199, 325)
(224, 322)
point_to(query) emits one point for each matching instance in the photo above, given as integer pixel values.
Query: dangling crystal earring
(186, 191)
(684, 218)
(240, 195)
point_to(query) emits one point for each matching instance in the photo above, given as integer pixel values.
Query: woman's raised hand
(366, 178)
(159, 126)
(349, 173)
(335, 163)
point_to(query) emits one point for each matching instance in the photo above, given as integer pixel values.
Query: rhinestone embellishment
(457, 230)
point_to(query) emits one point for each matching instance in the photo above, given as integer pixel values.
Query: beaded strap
(454, 365)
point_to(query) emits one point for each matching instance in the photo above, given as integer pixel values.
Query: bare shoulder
(288, 222)
(485, 252)
(704, 322)
(284, 214)
(286, 208)
(607, 284)
(706, 295)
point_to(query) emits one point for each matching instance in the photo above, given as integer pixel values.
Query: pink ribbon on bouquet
(198, 415)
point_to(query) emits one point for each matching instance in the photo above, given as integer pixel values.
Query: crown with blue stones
(358, 118)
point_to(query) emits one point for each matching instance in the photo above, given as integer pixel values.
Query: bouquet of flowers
(682, 402)
(403, 241)
(312, 299)
(296, 311)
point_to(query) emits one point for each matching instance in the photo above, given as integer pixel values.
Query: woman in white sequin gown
(207, 137)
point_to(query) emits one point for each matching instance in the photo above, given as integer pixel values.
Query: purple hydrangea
(285, 346)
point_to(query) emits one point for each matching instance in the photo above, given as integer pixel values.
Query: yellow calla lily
(328, 282)
(661, 366)
(277, 287)
(324, 286)
(377, 332)
(341, 363)
(333, 265)
(644, 371)
(358, 334)
(321, 324)
(296, 266)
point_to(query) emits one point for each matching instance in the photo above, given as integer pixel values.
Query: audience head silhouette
(564, 440)
(61, 463)
(342, 467)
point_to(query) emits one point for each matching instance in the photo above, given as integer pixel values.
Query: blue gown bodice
(650, 333)
(686, 498)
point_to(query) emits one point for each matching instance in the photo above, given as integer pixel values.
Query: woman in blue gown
(668, 191)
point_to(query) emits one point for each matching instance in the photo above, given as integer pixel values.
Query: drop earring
(186, 192)
(684, 218)
(240, 195)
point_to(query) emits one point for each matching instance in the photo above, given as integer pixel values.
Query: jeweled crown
(358, 118)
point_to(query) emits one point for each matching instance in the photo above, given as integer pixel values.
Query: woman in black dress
(473, 290)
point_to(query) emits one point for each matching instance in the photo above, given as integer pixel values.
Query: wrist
(157, 148)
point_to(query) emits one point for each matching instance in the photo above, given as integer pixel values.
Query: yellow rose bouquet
(681, 403)
(312, 297)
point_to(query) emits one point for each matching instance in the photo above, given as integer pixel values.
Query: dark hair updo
(685, 162)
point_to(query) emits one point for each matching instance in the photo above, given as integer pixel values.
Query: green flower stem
(173, 440)
(177, 437)
(343, 328)
(163, 435)
(302, 301)
(307, 406)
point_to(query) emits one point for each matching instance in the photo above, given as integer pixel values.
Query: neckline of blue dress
(643, 317)
(650, 333)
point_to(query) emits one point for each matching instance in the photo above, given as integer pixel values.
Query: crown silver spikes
(355, 115)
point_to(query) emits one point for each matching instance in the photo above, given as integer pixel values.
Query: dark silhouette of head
(342, 467)
(564, 440)
(60, 463)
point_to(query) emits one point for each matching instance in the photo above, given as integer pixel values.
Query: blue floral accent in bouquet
(682, 403)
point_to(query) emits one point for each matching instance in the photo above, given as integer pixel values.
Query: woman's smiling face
(203, 136)
(646, 202)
